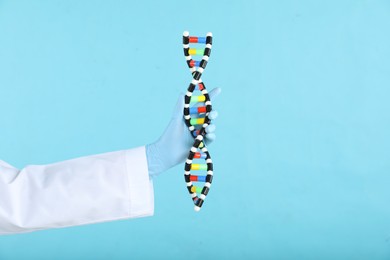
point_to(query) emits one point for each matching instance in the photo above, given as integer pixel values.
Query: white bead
(204, 91)
(207, 184)
(209, 161)
(208, 46)
(209, 34)
(206, 58)
(193, 149)
(187, 172)
(200, 69)
(194, 82)
(187, 117)
(186, 46)
(209, 172)
(193, 195)
(196, 208)
(207, 103)
(189, 184)
(189, 94)
(186, 105)
(186, 33)
(199, 137)
(191, 128)
(188, 161)
(188, 57)
(202, 196)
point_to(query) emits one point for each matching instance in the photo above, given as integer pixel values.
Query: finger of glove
(214, 93)
(210, 129)
(213, 115)
(210, 137)
(178, 112)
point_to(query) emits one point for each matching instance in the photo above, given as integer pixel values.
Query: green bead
(203, 167)
(199, 51)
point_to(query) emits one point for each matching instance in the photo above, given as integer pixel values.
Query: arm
(92, 189)
(85, 190)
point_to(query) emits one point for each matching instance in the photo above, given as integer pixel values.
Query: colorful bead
(197, 178)
(201, 39)
(200, 156)
(194, 39)
(197, 110)
(197, 121)
(199, 52)
(195, 99)
(196, 189)
(194, 63)
(198, 166)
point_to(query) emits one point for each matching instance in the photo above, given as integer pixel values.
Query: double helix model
(197, 106)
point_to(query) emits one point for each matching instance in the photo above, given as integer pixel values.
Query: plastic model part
(197, 106)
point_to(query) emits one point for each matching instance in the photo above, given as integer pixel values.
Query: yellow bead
(194, 166)
(200, 121)
(201, 98)
(192, 51)
(197, 121)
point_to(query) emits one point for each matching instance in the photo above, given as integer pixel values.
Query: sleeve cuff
(140, 184)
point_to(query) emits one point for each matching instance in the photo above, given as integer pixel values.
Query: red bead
(192, 63)
(193, 39)
(193, 178)
(201, 110)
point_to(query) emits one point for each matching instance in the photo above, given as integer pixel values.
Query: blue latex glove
(173, 146)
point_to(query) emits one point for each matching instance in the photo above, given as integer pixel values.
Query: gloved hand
(174, 145)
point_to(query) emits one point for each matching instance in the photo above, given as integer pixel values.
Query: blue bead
(202, 178)
(201, 39)
(193, 110)
(197, 63)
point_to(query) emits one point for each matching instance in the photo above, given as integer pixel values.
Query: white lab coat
(80, 191)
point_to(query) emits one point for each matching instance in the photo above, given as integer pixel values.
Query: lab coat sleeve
(80, 191)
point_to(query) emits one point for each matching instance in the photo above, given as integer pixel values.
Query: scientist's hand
(174, 145)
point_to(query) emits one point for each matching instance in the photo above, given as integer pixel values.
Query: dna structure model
(196, 111)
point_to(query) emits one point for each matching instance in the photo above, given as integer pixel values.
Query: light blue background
(302, 155)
